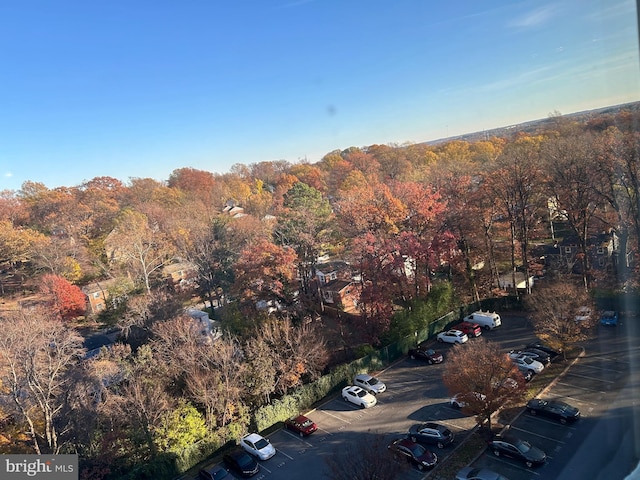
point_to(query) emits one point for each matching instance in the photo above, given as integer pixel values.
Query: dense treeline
(401, 216)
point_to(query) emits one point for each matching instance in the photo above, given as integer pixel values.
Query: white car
(457, 400)
(358, 396)
(369, 383)
(258, 446)
(526, 362)
(583, 315)
(453, 336)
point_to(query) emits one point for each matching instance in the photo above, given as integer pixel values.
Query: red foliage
(67, 300)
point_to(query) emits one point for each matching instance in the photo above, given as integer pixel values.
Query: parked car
(452, 336)
(487, 320)
(527, 374)
(460, 400)
(470, 328)
(545, 348)
(528, 362)
(302, 425)
(609, 318)
(431, 433)
(517, 448)
(216, 472)
(241, 462)
(584, 315)
(427, 354)
(556, 409)
(358, 396)
(414, 453)
(369, 383)
(471, 473)
(541, 357)
(258, 446)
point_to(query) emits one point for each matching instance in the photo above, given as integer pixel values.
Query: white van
(487, 320)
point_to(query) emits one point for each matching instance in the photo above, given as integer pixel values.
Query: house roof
(336, 285)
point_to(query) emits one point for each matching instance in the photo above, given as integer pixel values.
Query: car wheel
(528, 463)
(440, 340)
(362, 405)
(486, 327)
(413, 357)
(532, 412)
(345, 399)
(421, 467)
(414, 440)
(563, 421)
(496, 453)
(430, 361)
(440, 445)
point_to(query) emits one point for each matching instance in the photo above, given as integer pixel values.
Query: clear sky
(139, 88)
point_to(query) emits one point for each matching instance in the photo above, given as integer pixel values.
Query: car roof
(253, 437)
(364, 376)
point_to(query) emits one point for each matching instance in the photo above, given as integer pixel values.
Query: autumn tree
(38, 354)
(516, 184)
(290, 353)
(572, 175)
(266, 272)
(66, 299)
(304, 225)
(140, 245)
(553, 308)
(484, 378)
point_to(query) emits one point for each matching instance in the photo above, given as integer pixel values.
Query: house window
(567, 249)
(600, 251)
(96, 294)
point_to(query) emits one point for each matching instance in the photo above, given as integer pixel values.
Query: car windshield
(245, 461)
(527, 360)
(523, 446)
(361, 393)
(307, 423)
(262, 443)
(430, 352)
(417, 450)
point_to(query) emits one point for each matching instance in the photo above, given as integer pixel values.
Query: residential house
(98, 292)
(181, 275)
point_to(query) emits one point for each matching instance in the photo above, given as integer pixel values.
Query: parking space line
(336, 417)
(297, 437)
(262, 466)
(536, 434)
(290, 458)
(581, 388)
(505, 460)
(596, 367)
(570, 374)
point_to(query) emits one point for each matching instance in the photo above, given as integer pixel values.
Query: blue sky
(139, 88)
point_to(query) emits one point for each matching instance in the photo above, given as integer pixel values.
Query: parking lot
(415, 393)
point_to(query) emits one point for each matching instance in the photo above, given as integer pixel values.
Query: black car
(217, 472)
(553, 354)
(430, 433)
(540, 355)
(414, 453)
(429, 355)
(241, 462)
(517, 448)
(553, 409)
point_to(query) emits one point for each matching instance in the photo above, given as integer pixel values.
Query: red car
(301, 425)
(471, 329)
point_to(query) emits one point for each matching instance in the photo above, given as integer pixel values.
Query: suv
(430, 433)
(369, 383)
(427, 354)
